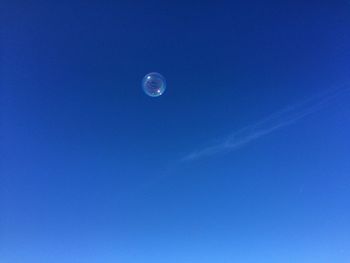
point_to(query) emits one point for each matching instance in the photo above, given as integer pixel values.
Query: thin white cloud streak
(271, 123)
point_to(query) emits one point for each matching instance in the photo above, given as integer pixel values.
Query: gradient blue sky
(91, 167)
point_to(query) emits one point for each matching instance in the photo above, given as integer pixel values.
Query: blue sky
(93, 170)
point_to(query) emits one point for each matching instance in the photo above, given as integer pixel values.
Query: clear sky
(93, 170)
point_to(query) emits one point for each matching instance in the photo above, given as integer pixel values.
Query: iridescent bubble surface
(153, 84)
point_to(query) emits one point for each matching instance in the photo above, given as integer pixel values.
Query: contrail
(271, 123)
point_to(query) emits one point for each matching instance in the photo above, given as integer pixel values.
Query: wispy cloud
(271, 123)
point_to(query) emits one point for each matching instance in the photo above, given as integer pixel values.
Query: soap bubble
(153, 84)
